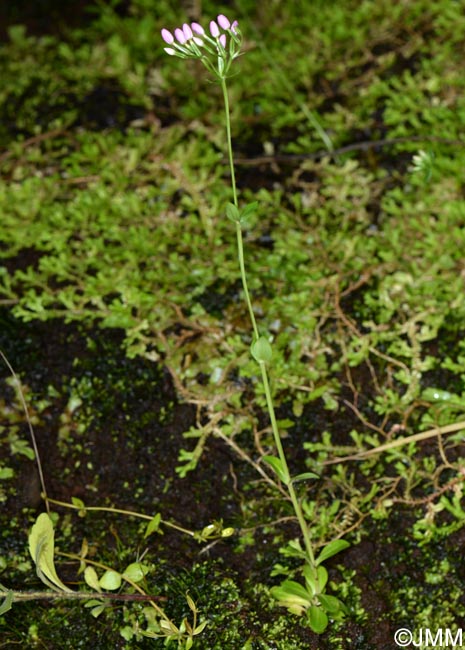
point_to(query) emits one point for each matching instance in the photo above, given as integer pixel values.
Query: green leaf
(93, 602)
(79, 504)
(331, 549)
(294, 549)
(331, 604)
(91, 578)
(292, 595)
(304, 477)
(136, 571)
(277, 466)
(315, 579)
(127, 632)
(318, 619)
(7, 602)
(110, 580)
(200, 628)
(261, 350)
(232, 212)
(240, 216)
(191, 604)
(41, 548)
(154, 526)
(96, 611)
(18, 446)
(248, 210)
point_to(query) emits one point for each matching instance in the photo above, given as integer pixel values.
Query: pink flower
(180, 35)
(167, 36)
(216, 49)
(198, 29)
(187, 31)
(214, 30)
(223, 22)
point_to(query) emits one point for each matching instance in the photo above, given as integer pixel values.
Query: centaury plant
(217, 49)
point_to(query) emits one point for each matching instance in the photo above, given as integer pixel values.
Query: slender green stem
(240, 251)
(240, 243)
(269, 400)
(129, 513)
(229, 139)
(282, 458)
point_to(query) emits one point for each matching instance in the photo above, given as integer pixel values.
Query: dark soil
(126, 456)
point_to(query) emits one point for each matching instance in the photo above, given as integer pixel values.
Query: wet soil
(126, 456)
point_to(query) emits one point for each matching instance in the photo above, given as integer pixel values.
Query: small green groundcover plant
(216, 48)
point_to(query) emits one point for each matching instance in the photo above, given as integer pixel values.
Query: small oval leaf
(317, 618)
(91, 578)
(261, 350)
(331, 549)
(304, 477)
(154, 526)
(248, 210)
(232, 212)
(331, 604)
(136, 571)
(110, 580)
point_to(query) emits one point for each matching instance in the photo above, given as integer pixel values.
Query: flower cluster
(216, 49)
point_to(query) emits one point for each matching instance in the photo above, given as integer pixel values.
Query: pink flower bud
(223, 22)
(170, 51)
(222, 40)
(187, 31)
(180, 35)
(198, 41)
(234, 27)
(198, 29)
(167, 36)
(214, 30)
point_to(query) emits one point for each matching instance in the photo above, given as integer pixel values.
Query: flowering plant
(216, 50)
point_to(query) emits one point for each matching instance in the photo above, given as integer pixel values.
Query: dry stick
(355, 146)
(31, 430)
(424, 435)
(77, 595)
(34, 140)
(229, 441)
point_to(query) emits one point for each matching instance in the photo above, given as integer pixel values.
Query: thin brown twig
(33, 140)
(431, 497)
(417, 437)
(31, 429)
(77, 595)
(354, 146)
